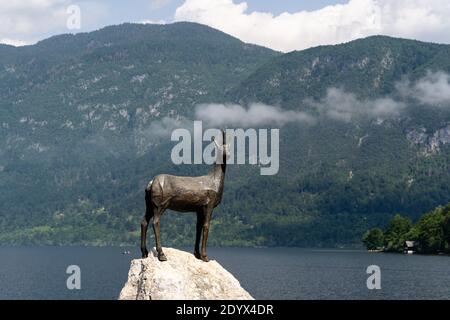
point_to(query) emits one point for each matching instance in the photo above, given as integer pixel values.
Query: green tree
(446, 227)
(447, 233)
(396, 233)
(373, 239)
(431, 231)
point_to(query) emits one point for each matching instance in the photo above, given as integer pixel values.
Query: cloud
(13, 5)
(433, 89)
(31, 20)
(163, 128)
(337, 104)
(158, 130)
(28, 21)
(25, 21)
(255, 115)
(345, 106)
(420, 19)
(152, 21)
(12, 42)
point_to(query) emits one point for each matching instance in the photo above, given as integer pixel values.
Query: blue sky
(281, 25)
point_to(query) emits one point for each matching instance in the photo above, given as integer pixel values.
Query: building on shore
(410, 247)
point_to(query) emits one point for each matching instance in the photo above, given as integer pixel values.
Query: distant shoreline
(410, 254)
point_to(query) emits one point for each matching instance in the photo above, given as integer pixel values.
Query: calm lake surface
(267, 273)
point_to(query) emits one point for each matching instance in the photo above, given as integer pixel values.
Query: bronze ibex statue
(185, 194)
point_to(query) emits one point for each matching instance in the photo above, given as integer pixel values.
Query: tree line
(431, 233)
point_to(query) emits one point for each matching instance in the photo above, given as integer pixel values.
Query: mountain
(75, 114)
(370, 67)
(81, 116)
(356, 166)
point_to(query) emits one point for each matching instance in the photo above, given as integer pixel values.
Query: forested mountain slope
(81, 121)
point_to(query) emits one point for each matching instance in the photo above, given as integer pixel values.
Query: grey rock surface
(181, 277)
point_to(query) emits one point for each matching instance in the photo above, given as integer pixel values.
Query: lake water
(267, 273)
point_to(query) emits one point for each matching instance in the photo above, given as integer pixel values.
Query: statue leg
(144, 227)
(207, 218)
(198, 234)
(156, 230)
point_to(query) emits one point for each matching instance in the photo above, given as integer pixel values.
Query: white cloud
(337, 104)
(25, 21)
(28, 21)
(163, 128)
(152, 21)
(433, 89)
(32, 20)
(13, 42)
(13, 5)
(255, 115)
(421, 19)
(345, 106)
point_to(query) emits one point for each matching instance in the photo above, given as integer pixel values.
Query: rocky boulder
(181, 277)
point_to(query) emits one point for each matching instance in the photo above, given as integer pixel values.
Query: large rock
(182, 277)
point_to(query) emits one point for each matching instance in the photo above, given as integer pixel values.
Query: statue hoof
(205, 258)
(197, 255)
(144, 254)
(162, 257)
